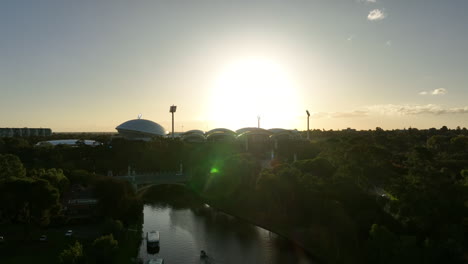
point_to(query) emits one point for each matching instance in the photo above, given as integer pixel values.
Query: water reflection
(184, 232)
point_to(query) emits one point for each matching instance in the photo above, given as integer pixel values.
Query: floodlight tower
(308, 116)
(258, 121)
(172, 110)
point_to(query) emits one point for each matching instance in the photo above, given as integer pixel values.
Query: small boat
(155, 261)
(152, 239)
(203, 254)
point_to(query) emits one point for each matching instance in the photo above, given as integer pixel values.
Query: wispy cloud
(356, 113)
(438, 91)
(388, 43)
(368, 1)
(318, 115)
(376, 14)
(350, 114)
(392, 109)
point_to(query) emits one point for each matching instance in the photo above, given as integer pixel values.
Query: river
(185, 231)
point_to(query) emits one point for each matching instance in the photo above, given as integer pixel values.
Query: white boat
(152, 239)
(155, 261)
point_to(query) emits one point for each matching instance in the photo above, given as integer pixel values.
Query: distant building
(140, 129)
(69, 142)
(194, 136)
(79, 202)
(25, 132)
(221, 135)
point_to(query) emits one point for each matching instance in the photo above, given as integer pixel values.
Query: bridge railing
(160, 177)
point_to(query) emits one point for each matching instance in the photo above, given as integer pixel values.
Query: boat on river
(155, 261)
(152, 239)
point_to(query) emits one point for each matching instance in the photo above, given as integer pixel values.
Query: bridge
(140, 181)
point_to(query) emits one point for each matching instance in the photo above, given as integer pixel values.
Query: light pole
(172, 111)
(258, 121)
(308, 116)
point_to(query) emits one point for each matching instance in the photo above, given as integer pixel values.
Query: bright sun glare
(253, 87)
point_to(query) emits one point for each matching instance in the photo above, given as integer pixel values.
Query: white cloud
(376, 14)
(368, 1)
(388, 43)
(438, 91)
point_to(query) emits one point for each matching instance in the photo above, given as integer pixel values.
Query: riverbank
(180, 195)
(298, 237)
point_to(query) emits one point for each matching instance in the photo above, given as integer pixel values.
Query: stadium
(142, 129)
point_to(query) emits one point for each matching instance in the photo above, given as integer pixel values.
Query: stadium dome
(140, 129)
(194, 131)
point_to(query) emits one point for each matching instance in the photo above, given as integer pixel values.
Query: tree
(11, 166)
(318, 167)
(28, 200)
(382, 245)
(54, 176)
(72, 255)
(114, 227)
(115, 197)
(459, 143)
(104, 249)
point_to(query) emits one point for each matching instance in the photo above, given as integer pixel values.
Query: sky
(88, 66)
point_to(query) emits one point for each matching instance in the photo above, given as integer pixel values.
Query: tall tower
(172, 111)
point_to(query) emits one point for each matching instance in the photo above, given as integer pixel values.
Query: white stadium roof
(140, 128)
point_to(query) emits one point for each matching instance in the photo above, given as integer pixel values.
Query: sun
(249, 88)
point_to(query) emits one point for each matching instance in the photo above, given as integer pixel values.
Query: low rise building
(25, 132)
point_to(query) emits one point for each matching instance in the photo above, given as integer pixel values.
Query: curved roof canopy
(255, 132)
(220, 130)
(194, 137)
(278, 130)
(245, 129)
(221, 136)
(194, 131)
(142, 127)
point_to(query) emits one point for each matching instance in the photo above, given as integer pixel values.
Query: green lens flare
(214, 170)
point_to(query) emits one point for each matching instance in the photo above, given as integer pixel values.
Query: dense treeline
(34, 185)
(349, 196)
(352, 197)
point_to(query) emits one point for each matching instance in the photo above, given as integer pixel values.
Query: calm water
(184, 232)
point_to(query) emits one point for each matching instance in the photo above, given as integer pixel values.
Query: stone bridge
(140, 181)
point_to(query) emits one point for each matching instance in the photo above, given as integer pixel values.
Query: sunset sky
(91, 65)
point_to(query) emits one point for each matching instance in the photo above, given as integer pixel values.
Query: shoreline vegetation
(374, 196)
(182, 195)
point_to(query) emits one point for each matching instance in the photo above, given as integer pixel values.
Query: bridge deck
(155, 179)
